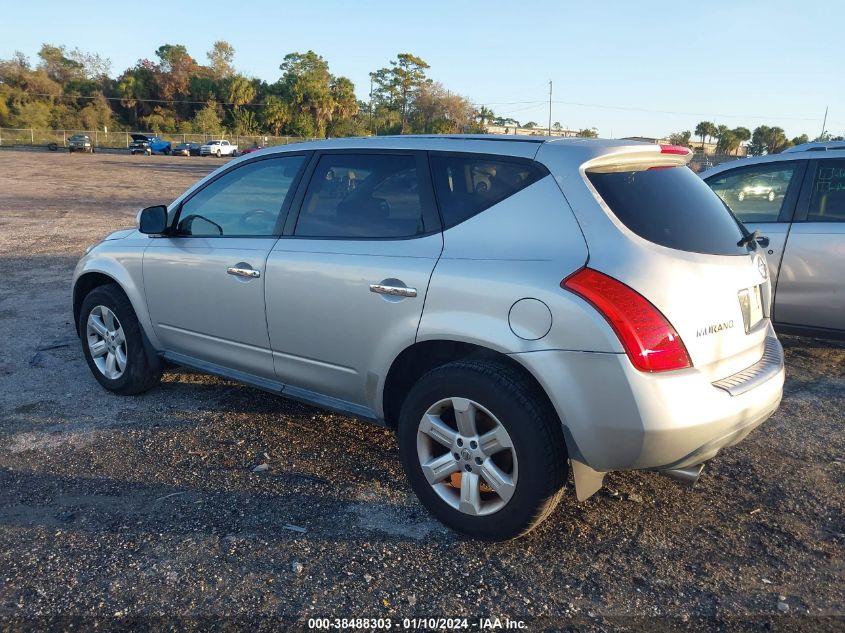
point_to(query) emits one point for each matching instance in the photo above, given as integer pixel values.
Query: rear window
(670, 206)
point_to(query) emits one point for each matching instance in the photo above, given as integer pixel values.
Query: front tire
(113, 343)
(483, 449)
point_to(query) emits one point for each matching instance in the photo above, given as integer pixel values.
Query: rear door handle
(240, 271)
(394, 291)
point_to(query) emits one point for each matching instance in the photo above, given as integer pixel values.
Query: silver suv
(593, 307)
(796, 200)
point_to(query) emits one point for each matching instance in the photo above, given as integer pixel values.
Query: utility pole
(550, 107)
(371, 103)
(824, 124)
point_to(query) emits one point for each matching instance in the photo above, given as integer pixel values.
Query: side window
(362, 196)
(755, 194)
(245, 201)
(827, 196)
(467, 185)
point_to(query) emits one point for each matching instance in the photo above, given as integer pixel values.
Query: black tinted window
(466, 185)
(245, 201)
(362, 196)
(754, 194)
(670, 206)
(827, 197)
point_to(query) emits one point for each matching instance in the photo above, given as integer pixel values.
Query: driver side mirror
(153, 220)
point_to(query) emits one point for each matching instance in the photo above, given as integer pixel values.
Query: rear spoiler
(642, 155)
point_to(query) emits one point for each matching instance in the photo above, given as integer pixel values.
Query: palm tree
(705, 129)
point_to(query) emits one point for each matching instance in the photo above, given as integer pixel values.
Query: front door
(205, 282)
(349, 279)
(811, 288)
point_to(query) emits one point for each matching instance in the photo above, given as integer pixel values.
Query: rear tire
(122, 337)
(533, 460)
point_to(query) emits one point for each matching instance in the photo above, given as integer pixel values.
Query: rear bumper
(618, 418)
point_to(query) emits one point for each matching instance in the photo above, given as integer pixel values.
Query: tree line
(175, 93)
(763, 140)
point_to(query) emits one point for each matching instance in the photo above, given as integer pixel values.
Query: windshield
(670, 206)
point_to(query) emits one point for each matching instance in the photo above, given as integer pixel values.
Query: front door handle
(240, 271)
(393, 291)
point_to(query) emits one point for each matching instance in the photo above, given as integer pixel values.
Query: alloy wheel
(467, 456)
(106, 342)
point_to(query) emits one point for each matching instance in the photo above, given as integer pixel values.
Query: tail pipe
(687, 476)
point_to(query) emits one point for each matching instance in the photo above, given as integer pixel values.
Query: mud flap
(587, 481)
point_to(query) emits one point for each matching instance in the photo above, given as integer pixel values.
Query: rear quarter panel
(520, 248)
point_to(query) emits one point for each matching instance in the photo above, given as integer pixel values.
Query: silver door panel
(811, 285)
(200, 310)
(329, 332)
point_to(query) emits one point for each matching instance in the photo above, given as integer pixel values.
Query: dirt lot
(145, 511)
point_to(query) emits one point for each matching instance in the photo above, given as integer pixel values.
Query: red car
(254, 148)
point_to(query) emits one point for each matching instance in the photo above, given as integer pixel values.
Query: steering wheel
(257, 219)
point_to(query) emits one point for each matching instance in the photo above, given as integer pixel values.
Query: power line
(168, 101)
(528, 104)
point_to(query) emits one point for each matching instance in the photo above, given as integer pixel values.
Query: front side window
(245, 201)
(467, 185)
(827, 196)
(363, 196)
(755, 194)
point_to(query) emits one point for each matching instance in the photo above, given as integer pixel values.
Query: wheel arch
(418, 359)
(83, 286)
(93, 275)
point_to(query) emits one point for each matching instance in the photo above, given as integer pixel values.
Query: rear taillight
(649, 339)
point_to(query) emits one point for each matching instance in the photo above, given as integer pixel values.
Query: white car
(218, 149)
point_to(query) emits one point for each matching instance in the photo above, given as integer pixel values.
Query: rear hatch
(674, 242)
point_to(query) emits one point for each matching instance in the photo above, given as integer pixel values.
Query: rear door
(811, 287)
(348, 280)
(763, 197)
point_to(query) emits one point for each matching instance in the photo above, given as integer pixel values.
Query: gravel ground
(145, 511)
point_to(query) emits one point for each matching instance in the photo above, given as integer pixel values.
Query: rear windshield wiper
(749, 238)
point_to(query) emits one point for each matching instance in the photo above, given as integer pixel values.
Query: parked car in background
(595, 305)
(816, 146)
(148, 144)
(218, 149)
(253, 148)
(187, 149)
(796, 200)
(80, 143)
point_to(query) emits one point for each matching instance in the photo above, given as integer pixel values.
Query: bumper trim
(761, 371)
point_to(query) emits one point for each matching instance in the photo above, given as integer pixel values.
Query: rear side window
(827, 197)
(670, 206)
(467, 185)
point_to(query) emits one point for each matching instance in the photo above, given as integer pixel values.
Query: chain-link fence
(120, 140)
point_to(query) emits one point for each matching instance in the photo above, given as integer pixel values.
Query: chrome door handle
(243, 272)
(395, 291)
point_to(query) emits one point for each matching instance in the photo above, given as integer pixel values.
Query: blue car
(148, 144)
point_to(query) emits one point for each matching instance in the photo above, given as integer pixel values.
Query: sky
(646, 68)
